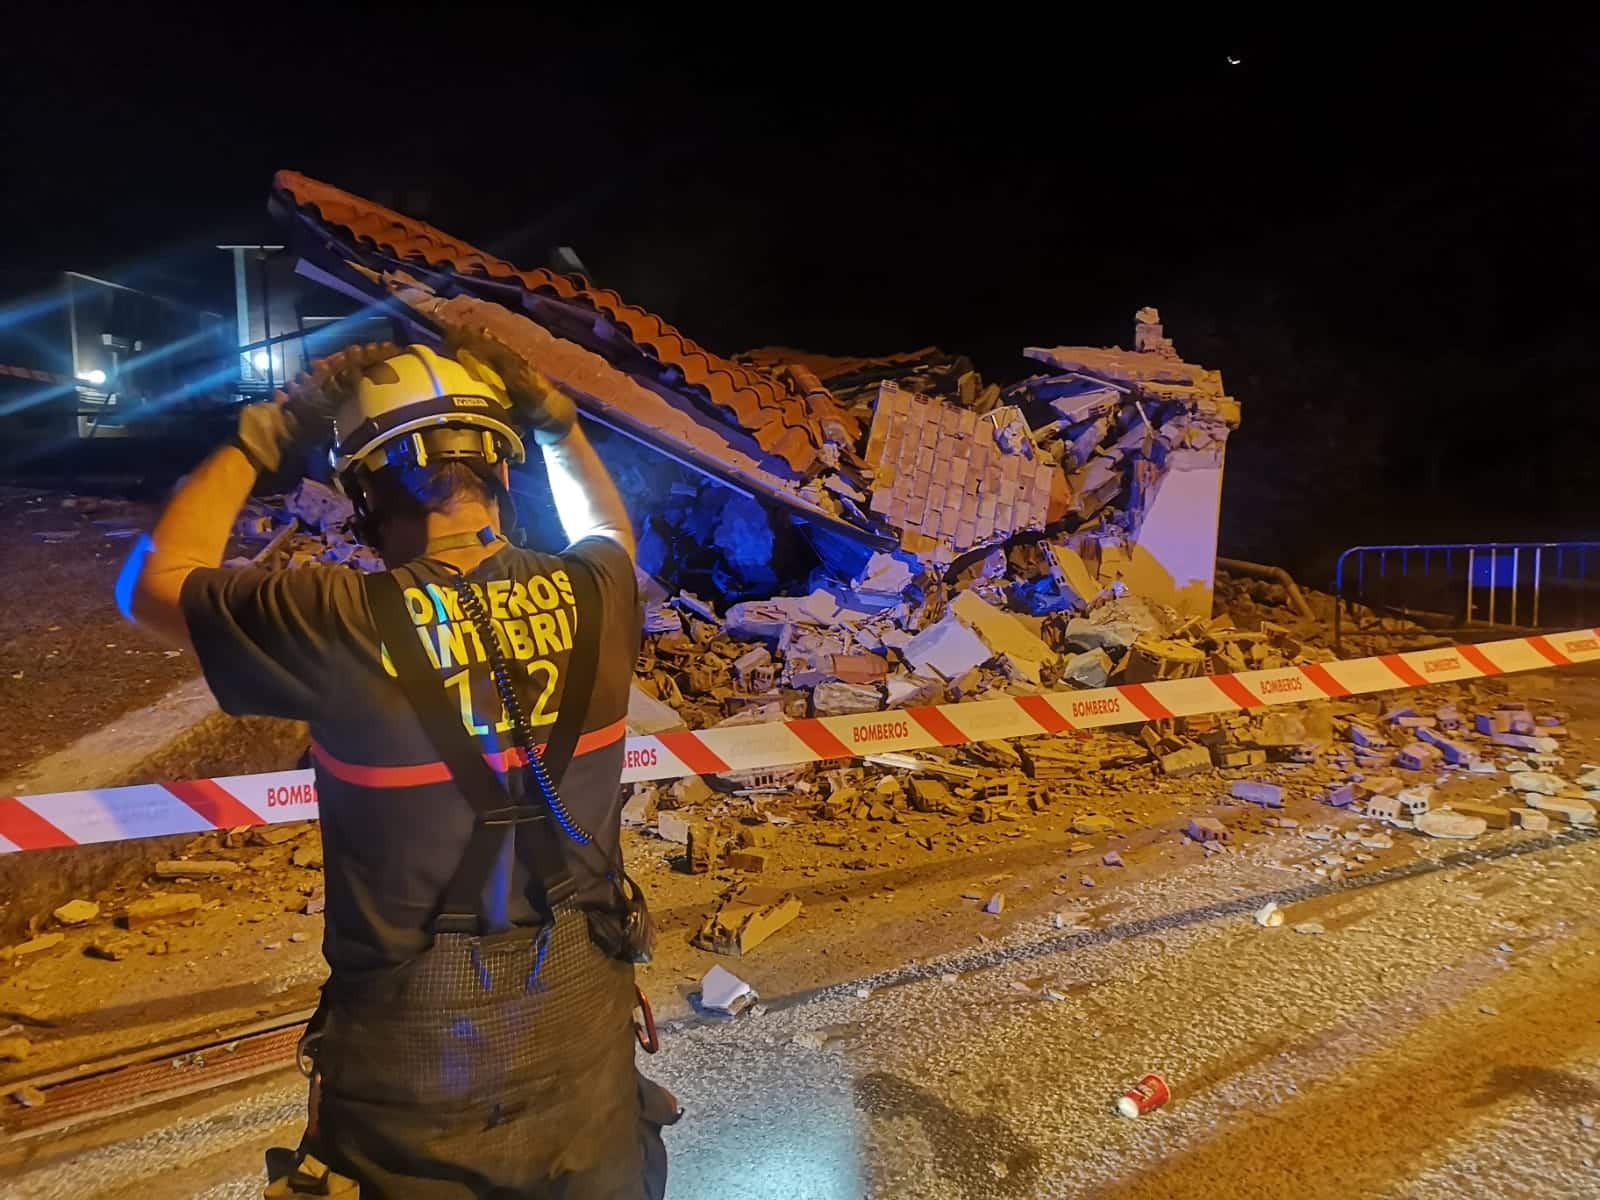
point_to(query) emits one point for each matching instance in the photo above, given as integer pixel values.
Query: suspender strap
(537, 840)
(578, 692)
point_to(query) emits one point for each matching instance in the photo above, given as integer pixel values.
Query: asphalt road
(1440, 1038)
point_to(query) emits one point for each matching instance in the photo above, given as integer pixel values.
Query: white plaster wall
(1175, 558)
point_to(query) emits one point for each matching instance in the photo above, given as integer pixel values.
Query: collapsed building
(941, 536)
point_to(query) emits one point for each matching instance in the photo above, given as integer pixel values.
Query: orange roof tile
(754, 398)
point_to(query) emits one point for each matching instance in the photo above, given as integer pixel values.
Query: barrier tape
(116, 814)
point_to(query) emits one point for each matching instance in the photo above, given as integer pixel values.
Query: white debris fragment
(723, 991)
(1443, 823)
(1540, 782)
(1269, 915)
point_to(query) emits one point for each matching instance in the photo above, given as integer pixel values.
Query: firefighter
(477, 1033)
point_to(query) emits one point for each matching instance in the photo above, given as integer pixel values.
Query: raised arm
(587, 500)
(192, 532)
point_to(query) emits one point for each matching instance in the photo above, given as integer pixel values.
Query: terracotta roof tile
(747, 394)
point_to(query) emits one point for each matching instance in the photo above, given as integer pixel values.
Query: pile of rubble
(888, 640)
(911, 459)
(308, 527)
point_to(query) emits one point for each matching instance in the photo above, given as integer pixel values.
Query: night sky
(1387, 243)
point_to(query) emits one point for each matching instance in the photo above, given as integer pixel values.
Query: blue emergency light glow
(128, 577)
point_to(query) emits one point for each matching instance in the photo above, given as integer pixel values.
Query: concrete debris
(77, 912)
(883, 575)
(1091, 669)
(750, 861)
(308, 527)
(1492, 815)
(318, 506)
(160, 907)
(1444, 823)
(1267, 795)
(1269, 915)
(1530, 819)
(197, 868)
(648, 715)
(1189, 760)
(948, 649)
(995, 904)
(836, 698)
(723, 991)
(746, 917)
(1007, 636)
(308, 856)
(673, 827)
(639, 809)
(703, 846)
(1572, 811)
(1523, 741)
(44, 941)
(1541, 782)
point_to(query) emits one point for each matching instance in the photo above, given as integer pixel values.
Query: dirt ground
(68, 662)
(875, 892)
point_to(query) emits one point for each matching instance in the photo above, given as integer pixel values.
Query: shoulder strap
(476, 779)
(577, 694)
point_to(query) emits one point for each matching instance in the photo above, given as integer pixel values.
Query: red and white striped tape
(116, 814)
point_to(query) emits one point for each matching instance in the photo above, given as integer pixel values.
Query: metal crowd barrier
(1460, 587)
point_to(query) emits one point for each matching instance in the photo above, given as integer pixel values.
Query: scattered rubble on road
(746, 917)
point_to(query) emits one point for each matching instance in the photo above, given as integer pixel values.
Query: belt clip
(644, 1023)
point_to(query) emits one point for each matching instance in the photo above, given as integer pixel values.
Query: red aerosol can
(1149, 1093)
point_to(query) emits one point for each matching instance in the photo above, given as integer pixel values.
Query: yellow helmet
(419, 407)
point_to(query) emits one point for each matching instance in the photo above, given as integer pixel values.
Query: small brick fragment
(754, 861)
(1342, 796)
(1530, 819)
(1207, 829)
(1190, 760)
(1418, 756)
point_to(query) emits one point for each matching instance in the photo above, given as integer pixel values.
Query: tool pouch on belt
(624, 931)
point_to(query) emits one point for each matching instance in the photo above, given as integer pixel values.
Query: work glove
(299, 418)
(476, 329)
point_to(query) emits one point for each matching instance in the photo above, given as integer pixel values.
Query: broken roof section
(786, 421)
(910, 452)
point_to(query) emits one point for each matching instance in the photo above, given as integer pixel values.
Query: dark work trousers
(494, 1068)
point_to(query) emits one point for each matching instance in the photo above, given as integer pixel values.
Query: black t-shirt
(302, 644)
